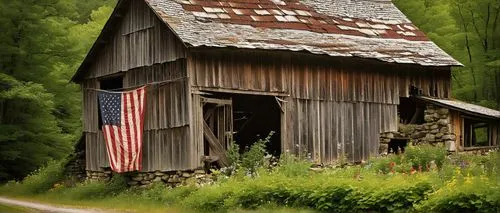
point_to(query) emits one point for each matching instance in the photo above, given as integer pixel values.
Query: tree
(42, 42)
(468, 30)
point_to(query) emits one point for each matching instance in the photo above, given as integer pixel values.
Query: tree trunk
(467, 44)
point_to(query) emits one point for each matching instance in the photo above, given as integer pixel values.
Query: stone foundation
(145, 179)
(99, 175)
(76, 166)
(172, 179)
(436, 130)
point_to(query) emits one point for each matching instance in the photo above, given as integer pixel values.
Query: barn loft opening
(110, 83)
(253, 117)
(410, 111)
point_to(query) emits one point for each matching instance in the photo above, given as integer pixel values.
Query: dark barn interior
(254, 117)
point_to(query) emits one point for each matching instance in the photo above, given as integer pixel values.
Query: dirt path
(44, 207)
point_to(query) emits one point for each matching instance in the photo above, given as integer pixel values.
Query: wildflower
(413, 171)
(392, 164)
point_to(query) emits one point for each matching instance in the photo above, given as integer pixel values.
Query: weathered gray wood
(215, 145)
(141, 40)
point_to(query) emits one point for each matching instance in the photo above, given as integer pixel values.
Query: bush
(292, 166)
(324, 192)
(253, 159)
(210, 198)
(96, 190)
(464, 194)
(42, 179)
(424, 155)
(383, 164)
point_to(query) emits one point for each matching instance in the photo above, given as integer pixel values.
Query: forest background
(42, 43)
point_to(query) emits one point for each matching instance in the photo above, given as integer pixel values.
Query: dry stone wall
(145, 179)
(436, 130)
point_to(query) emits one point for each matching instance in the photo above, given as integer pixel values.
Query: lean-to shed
(325, 75)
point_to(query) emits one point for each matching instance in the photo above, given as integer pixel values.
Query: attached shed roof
(373, 29)
(464, 107)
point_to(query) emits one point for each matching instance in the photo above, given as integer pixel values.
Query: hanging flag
(122, 115)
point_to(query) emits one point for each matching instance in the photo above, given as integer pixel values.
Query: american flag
(122, 115)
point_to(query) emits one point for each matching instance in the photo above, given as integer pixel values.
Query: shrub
(210, 198)
(424, 155)
(292, 166)
(252, 159)
(42, 179)
(464, 194)
(323, 192)
(97, 190)
(383, 164)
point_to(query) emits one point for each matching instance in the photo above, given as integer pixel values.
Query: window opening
(477, 133)
(410, 111)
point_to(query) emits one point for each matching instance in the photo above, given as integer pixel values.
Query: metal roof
(373, 29)
(464, 107)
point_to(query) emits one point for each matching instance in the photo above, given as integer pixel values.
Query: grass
(14, 209)
(424, 179)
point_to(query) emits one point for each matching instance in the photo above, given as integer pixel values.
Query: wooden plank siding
(145, 51)
(141, 40)
(327, 130)
(315, 77)
(333, 107)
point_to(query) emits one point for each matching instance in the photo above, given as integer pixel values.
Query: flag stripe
(134, 128)
(116, 144)
(131, 131)
(111, 155)
(128, 147)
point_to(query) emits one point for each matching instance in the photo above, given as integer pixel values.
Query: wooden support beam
(215, 145)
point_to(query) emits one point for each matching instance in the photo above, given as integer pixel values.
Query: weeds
(458, 183)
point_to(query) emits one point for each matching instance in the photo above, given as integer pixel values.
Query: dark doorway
(397, 146)
(254, 117)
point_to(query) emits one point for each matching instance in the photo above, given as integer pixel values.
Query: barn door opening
(239, 118)
(217, 128)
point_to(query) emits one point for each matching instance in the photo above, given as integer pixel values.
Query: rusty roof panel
(373, 29)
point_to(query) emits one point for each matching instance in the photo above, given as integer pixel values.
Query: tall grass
(459, 183)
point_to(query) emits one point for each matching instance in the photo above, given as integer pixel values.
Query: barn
(327, 76)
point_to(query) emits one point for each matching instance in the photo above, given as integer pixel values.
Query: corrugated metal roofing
(373, 29)
(472, 108)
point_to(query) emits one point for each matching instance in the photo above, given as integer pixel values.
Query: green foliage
(293, 166)
(322, 192)
(39, 181)
(95, 190)
(233, 155)
(41, 45)
(464, 194)
(464, 183)
(424, 155)
(252, 159)
(30, 135)
(467, 30)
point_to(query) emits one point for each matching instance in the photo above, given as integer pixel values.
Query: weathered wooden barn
(326, 75)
